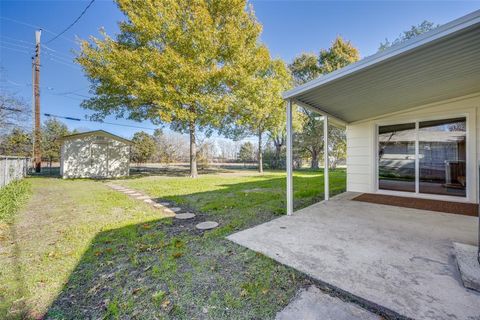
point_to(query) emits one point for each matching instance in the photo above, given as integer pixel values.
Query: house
(412, 119)
(94, 154)
(411, 113)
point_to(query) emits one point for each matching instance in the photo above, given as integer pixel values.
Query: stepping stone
(142, 197)
(157, 205)
(207, 225)
(148, 201)
(129, 191)
(169, 212)
(166, 204)
(176, 209)
(136, 194)
(185, 216)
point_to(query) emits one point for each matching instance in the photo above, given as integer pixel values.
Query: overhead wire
(15, 49)
(72, 24)
(105, 122)
(35, 27)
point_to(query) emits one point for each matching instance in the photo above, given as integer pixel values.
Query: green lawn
(81, 250)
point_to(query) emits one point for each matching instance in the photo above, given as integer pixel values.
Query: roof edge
(417, 42)
(80, 134)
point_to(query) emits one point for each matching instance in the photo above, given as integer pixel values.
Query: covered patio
(395, 258)
(411, 114)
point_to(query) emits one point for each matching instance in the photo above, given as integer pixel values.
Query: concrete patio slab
(312, 304)
(398, 258)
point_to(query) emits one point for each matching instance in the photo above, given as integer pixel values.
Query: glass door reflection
(442, 157)
(396, 158)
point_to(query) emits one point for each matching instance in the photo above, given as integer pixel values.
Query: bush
(12, 197)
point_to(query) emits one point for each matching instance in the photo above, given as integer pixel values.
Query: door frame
(470, 116)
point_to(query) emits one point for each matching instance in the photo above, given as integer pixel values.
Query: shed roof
(96, 132)
(438, 65)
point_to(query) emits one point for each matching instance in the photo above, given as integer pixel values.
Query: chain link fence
(12, 168)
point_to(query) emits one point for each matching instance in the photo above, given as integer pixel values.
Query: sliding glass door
(396, 157)
(442, 155)
(426, 157)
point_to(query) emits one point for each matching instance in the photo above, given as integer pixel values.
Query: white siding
(362, 149)
(94, 156)
(359, 157)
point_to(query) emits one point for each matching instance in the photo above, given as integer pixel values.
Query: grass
(84, 251)
(12, 197)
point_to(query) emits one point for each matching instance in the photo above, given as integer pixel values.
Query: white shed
(94, 154)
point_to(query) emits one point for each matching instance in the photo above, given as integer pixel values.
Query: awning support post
(289, 163)
(325, 158)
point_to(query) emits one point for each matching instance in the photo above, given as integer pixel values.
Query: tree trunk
(260, 155)
(278, 143)
(314, 163)
(193, 152)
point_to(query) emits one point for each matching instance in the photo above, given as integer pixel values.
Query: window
(427, 157)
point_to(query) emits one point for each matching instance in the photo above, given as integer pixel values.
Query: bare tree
(14, 113)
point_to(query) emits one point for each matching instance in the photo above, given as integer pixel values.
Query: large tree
(245, 154)
(305, 68)
(260, 108)
(144, 147)
(17, 143)
(174, 62)
(409, 34)
(52, 131)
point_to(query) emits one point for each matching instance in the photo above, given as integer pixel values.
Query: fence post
(5, 172)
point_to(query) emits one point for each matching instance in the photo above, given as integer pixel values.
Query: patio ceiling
(441, 64)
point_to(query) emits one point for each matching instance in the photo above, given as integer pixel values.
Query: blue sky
(289, 28)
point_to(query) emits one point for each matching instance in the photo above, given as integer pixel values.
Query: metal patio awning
(438, 65)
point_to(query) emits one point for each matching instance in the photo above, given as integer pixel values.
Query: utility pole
(36, 89)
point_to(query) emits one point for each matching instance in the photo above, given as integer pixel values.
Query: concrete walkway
(313, 304)
(400, 259)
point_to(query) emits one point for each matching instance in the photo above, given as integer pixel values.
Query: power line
(11, 109)
(73, 23)
(34, 27)
(18, 40)
(110, 123)
(15, 49)
(11, 43)
(66, 56)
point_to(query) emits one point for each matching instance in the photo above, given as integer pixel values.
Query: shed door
(99, 160)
